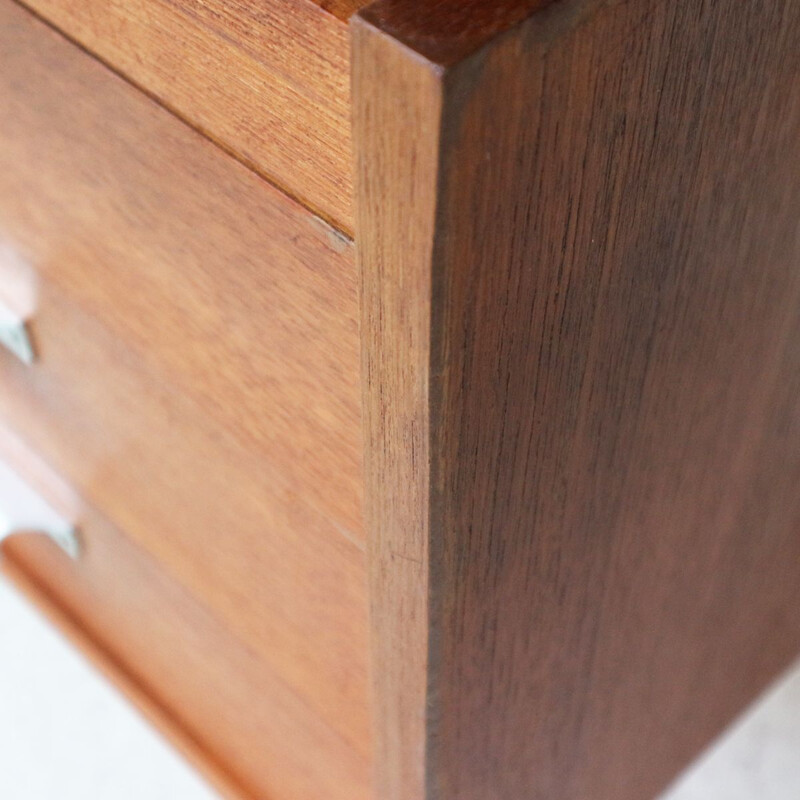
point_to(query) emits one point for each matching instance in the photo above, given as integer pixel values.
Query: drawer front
(269, 79)
(197, 360)
(235, 718)
(229, 288)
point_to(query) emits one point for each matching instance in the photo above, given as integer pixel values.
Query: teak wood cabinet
(422, 379)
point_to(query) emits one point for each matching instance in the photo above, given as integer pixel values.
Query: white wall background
(65, 734)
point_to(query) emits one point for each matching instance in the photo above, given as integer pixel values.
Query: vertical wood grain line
(396, 120)
(590, 220)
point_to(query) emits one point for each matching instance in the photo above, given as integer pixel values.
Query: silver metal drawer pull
(14, 334)
(23, 510)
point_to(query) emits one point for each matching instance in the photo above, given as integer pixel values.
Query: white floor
(64, 733)
(758, 758)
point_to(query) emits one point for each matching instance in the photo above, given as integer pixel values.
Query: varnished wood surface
(249, 731)
(267, 80)
(578, 254)
(196, 338)
(448, 31)
(276, 572)
(234, 292)
(397, 161)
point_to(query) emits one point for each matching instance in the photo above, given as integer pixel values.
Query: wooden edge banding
(397, 98)
(125, 681)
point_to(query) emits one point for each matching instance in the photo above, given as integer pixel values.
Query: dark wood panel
(578, 249)
(448, 31)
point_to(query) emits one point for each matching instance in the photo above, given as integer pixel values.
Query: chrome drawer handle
(14, 335)
(23, 510)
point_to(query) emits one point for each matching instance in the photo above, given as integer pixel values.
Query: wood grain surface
(267, 80)
(249, 731)
(448, 31)
(578, 247)
(396, 139)
(196, 338)
(234, 292)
